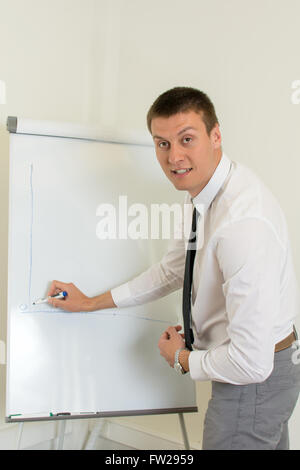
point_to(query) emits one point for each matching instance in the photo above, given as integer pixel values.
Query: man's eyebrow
(186, 129)
(179, 133)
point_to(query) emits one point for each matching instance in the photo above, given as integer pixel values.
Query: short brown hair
(181, 100)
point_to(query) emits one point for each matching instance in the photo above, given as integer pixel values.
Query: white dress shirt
(244, 293)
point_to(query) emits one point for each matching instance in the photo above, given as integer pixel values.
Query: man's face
(186, 153)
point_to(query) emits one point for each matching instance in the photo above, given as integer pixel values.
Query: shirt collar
(204, 199)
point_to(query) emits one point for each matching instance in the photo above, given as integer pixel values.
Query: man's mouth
(181, 171)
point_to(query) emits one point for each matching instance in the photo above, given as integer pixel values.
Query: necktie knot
(193, 234)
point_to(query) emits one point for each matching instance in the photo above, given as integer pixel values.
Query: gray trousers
(254, 416)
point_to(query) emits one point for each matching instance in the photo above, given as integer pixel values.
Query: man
(244, 293)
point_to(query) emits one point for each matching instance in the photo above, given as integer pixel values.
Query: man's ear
(215, 137)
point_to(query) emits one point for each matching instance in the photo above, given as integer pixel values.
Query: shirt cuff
(121, 296)
(196, 366)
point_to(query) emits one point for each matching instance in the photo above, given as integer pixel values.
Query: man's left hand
(169, 342)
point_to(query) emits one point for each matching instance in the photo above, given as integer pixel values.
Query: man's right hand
(76, 301)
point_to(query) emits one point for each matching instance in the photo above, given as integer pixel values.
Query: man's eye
(163, 144)
(187, 140)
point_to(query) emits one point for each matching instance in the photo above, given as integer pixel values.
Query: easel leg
(98, 430)
(184, 432)
(61, 434)
(20, 431)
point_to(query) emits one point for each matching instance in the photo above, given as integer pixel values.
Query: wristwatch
(177, 366)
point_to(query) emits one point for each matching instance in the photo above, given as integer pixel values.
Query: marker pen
(61, 295)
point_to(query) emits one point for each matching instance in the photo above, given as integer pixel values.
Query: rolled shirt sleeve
(250, 258)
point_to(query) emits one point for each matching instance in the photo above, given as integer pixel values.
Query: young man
(244, 293)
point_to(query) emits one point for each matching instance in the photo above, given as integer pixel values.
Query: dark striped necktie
(187, 283)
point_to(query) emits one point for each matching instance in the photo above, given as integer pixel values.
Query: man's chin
(180, 185)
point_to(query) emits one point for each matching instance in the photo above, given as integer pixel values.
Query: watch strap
(176, 360)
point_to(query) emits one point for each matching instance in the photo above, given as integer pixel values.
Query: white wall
(105, 61)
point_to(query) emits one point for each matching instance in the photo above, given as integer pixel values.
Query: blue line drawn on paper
(30, 231)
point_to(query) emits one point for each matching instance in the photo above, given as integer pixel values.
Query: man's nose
(175, 155)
